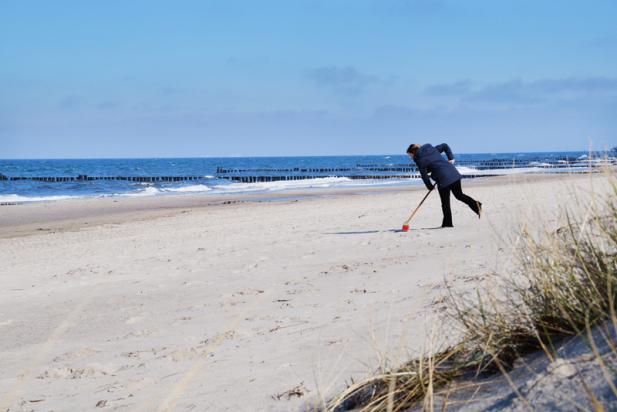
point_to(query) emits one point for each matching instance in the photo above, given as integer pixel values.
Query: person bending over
(429, 160)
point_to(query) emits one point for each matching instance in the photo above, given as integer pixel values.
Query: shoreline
(72, 214)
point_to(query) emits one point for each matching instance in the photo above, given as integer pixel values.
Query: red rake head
(405, 228)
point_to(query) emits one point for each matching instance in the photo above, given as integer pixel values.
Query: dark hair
(413, 148)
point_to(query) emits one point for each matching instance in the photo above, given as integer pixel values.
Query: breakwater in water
(242, 179)
(358, 172)
(36, 180)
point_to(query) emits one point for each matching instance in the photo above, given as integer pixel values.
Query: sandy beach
(240, 303)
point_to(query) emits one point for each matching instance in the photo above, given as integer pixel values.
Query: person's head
(413, 149)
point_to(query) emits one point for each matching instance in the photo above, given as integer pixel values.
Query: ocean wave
(236, 188)
(471, 171)
(187, 189)
(322, 182)
(154, 191)
(538, 169)
(222, 187)
(148, 191)
(13, 198)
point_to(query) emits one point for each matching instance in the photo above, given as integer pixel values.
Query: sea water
(210, 182)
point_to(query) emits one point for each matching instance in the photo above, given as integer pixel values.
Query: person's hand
(430, 187)
(452, 161)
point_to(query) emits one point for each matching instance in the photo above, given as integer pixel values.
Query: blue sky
(227, 78)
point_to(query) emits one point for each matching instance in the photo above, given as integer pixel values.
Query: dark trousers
(457, 191)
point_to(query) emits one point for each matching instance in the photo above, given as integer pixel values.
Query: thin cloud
(246, 63)
(394, 111)
(513, 91)
(341, 80)
(70, 102)
(168, 91)
(518, 91)
(108, 104)
(448, 89)
(607, 42)
(576, 85)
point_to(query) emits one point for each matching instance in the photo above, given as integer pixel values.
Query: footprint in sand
(143, 354)
(6, 322)
(78, 354)
(135, 385)
(338, 269)
(203, 350)
(134, 319)
(92, 370)
(137, 334)
(186, 354)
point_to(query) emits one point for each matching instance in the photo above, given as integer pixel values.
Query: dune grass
(565, 286)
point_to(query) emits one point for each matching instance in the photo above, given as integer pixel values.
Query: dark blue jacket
(429, 159)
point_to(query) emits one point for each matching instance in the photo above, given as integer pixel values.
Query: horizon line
(281, 156)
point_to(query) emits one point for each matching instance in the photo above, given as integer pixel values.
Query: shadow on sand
(367, 232)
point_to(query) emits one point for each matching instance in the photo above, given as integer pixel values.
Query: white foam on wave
(148, 191)
(154, 191)
(471, 171)
(380, 182)
(322, 182)
(187, 189)
(13, 198)
(319, 183)
(537, 168)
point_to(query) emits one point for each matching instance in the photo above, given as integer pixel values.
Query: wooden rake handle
(417, 208)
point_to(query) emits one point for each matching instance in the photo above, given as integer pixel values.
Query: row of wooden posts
(406, 168)
(224, 170)
(234, 175)
(266, 178)
(83, 178)
(234, 178)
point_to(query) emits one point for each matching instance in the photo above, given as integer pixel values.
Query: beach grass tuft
(565, 286)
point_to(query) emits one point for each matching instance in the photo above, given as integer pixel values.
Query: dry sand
(187, 303)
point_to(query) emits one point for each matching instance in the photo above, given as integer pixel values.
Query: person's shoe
(442, 226)
(479, 209)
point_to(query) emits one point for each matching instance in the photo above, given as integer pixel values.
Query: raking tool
(406, 223)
